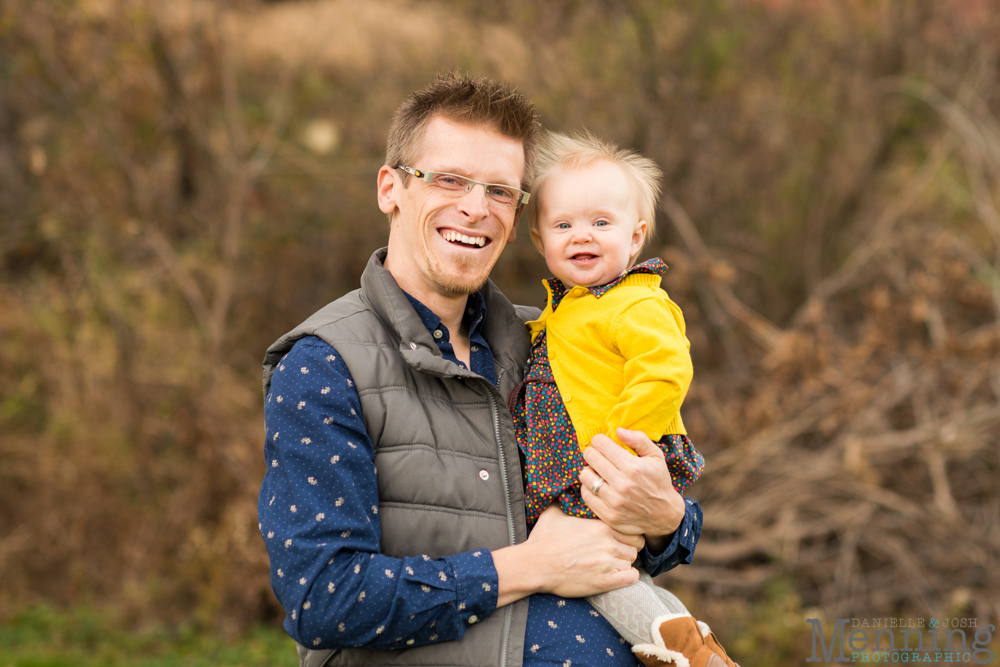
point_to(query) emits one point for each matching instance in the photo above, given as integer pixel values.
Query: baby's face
(588, 224)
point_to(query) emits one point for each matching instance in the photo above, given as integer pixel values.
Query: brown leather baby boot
(678, 642)
(712, 642)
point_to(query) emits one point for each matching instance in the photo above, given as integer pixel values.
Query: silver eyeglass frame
(428, 177)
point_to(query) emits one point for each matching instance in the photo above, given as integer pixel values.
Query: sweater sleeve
(318, 513)
(650, 335)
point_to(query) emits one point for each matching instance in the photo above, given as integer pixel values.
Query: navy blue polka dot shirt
(318, 513)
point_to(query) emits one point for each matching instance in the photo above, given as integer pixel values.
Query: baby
(608, 351)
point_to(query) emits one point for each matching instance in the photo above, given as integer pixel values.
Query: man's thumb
(639, 442)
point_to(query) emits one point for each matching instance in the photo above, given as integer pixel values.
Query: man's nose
(475, 203)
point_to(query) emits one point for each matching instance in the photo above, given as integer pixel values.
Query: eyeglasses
(458, 186)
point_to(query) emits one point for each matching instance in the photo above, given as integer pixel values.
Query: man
(392, 507)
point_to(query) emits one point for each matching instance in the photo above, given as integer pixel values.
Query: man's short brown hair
(461, 99)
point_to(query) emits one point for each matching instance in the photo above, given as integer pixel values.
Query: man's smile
(464, 240)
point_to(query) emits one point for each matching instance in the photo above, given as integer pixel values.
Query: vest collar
(502, 328)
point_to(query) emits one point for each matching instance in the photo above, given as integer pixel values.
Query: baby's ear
(638, 237)
(536, 238)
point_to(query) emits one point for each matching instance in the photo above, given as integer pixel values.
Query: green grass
(44, 637)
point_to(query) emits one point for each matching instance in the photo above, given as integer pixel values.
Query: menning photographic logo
(875, 640)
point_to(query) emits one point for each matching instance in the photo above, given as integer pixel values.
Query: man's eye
(448, 181)
(501, 194)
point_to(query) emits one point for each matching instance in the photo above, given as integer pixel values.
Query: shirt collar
(655, 266)
(473, 317)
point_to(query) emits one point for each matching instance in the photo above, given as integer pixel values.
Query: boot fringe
(663, 654)
(658, 649)
(659, 620)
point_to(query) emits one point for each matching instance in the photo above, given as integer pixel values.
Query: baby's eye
(601, 223)
(562, 225)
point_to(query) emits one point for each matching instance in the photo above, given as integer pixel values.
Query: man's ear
(536, 238)
(638, 238)
(389, 186)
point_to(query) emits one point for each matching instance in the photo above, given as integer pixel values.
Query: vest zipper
(509, 612)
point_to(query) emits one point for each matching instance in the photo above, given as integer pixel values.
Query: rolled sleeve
(477, 585)
(680, 549)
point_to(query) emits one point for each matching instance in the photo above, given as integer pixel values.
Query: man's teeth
(450, 235)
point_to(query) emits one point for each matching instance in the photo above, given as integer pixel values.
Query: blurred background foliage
(183, 182)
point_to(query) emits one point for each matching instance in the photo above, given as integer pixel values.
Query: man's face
(426, 250)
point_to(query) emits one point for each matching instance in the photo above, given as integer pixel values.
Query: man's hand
(567, 556)
(638, 495)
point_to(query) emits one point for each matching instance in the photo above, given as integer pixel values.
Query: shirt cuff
(680, 549)
(476, 591)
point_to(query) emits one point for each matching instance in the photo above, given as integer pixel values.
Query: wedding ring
(597, 485)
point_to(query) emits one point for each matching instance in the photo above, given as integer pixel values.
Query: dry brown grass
(162, 221)
(865, 460)
(864, 439)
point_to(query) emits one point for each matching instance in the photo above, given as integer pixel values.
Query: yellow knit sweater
(621, 359)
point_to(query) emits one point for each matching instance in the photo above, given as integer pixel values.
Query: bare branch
(881, 232)
(761, 329)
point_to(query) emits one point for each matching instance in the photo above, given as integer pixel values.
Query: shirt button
(473, 619)
(470, 311)
(438, 333)
(413, 346)
(484, 475)
(567, 398)
(475, 348)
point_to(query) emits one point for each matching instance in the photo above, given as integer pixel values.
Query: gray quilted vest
(449, 478)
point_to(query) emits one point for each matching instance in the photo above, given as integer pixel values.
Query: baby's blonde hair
(580, 149)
